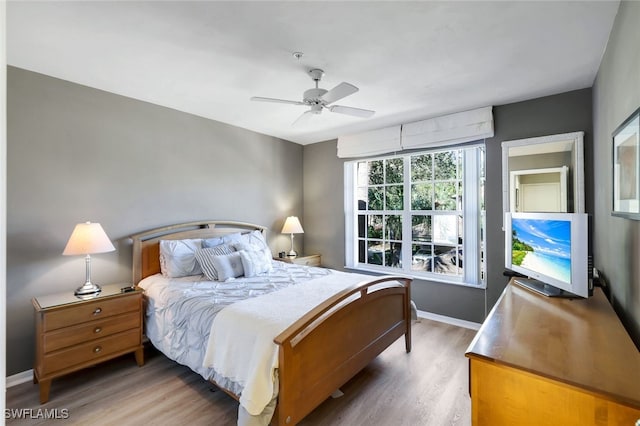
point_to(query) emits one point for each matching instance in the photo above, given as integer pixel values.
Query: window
(420, 214)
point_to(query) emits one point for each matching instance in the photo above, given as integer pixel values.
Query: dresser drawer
(94, 350)
(90, 311)
(69, 336)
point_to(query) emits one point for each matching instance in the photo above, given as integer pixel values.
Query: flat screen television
(550, 250)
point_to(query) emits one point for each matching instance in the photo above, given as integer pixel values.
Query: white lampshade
(292, 226)
(88, 238)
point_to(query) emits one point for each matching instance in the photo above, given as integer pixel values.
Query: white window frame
(472, 213)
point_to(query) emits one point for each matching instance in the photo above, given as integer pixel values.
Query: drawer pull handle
(97, 311)
(97, 349)
(97, 330)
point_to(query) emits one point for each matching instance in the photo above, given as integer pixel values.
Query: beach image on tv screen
(543, 246)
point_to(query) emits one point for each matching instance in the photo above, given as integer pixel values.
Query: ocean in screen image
(543, 246)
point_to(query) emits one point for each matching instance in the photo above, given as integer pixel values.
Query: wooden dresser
(74, 333)
(549, 361)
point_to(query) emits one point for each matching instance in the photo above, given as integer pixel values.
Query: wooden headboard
(146, 245)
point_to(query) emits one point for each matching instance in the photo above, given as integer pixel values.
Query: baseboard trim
(449, 320)
(20, 378)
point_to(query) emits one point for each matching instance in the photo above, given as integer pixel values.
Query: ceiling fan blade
(280, 101)
(304, 118)
(357, 112)
(340, 91)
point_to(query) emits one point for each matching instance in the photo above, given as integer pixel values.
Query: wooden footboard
(329, 345)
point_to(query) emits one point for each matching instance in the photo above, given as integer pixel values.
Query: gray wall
(324, 205)
(563, 113)
(616, 94)
(78, 154)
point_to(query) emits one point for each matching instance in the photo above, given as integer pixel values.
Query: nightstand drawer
(308, 261)
(63, 338)
(94, 350)
(90, 311)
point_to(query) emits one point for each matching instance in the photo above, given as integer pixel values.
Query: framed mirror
(544, 174)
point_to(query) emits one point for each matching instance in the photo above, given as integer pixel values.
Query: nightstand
(308, 260)
(74, 333)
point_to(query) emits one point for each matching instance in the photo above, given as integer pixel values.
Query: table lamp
(88, 238)
(292, 226)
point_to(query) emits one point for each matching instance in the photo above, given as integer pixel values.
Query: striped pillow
(205, 257)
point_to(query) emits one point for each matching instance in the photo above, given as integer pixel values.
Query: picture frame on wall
(626, 168)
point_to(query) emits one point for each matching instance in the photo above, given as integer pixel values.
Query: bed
(318, 349)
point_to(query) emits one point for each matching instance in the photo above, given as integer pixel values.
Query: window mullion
(470, 208)
(406, 217)
(351, 213)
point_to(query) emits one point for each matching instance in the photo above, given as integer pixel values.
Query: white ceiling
(411, 60)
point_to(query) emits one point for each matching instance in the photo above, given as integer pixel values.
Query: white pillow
(211, 242)
(255, 262)
(255, 238)
(177, 258)
(228, 266)
(264, 252)
(205, 257)
(232, 238)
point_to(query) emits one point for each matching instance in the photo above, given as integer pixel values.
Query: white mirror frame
(578, 163)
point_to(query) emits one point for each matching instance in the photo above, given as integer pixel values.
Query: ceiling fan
(319, 98)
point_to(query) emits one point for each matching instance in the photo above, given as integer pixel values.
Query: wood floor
(429, 386)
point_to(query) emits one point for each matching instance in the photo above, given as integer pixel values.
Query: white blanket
(241, 345)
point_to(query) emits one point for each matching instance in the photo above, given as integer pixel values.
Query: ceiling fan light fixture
(311, 96)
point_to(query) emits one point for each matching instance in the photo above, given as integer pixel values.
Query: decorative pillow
(232, 238)
(255, 262)
(255, 238)
(177, 258)
(242, 246)
(266, 252)
(211, 242)
(205, 257)
(228, 266)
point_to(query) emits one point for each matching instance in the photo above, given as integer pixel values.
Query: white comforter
(180, 311)
(241, 344)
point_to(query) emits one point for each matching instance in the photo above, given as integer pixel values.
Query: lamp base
(88, 288)
(292, 252)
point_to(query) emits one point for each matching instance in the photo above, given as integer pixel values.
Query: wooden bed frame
(327, 346)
